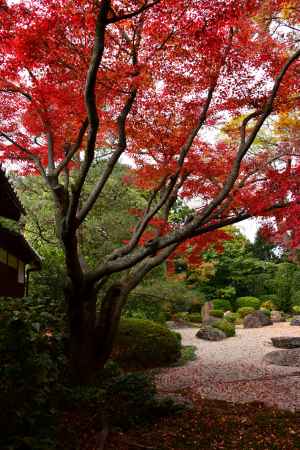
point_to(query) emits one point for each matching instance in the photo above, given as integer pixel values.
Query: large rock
(296, 321)
(286, 342)
(256, 319)
(276, 316)
(289, 358)
(205, 311)
(210, 334)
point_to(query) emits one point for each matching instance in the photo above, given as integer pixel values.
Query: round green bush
(252, 302)
(296, 309)
(225, 326)
(181, 316)
(244, 311)
(222, 303)
(231, 317)
(266, 311)
(145, 344)
(216, 313)
(197, 318)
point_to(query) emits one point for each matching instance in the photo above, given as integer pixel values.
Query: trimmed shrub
(181, 316)
(216, 313)
(252, 302)
(232, 317)
(197, 318)
(268, 305)
(296, 298)
(225, 326)
(145, 344)
(222, 303)
(296, 309)
(243, 312)
(128, 399)
(266, 311)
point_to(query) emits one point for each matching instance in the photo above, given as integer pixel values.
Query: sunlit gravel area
(233, 369)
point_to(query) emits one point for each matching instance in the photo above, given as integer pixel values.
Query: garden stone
(276, 316)
(227, 313)
(210, 334)
(286, 342)
(256, 319)
(205, 311)
(296, 321)
(289, 358)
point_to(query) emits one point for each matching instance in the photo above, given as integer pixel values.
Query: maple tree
(85, 80)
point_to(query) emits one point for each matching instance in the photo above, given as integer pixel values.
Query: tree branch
(135, 13)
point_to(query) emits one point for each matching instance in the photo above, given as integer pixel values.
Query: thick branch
(90, 104)
(75, 147)
(112, 161)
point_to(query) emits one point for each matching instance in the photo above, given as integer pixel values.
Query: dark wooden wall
(9, 286)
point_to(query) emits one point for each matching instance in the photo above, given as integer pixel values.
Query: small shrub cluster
(244, 311)
(145, 344)
(32, 365)
(252, 302)
(296, 309)
(221, 303)
(225, 326)
(216, 313)
(268, 305)
(196, 317)
(266, 311)
(231, 317)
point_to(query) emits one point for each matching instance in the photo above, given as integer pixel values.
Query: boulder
(286, 342)
(256, 319)
(210, 334)
(289, 358)
(296, 321)
(227, 313)
(205, 311)
(276, 316)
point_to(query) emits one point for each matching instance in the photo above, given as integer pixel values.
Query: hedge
(225, 326)
(222, 303)
(145, 344)
(243, 312)
(252, 302)
(216, 313)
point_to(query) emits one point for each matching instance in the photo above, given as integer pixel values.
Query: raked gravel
(233, 369)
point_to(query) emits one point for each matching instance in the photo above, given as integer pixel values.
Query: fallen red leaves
(211, 425)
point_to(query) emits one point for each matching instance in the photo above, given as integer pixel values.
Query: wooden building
(17, 258)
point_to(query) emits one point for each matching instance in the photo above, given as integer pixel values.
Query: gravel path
(233, 369)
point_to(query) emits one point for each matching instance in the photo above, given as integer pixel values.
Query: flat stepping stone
(289, 358)
(286, 342)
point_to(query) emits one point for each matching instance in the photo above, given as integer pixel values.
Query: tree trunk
(82, 322)
(108, 323)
